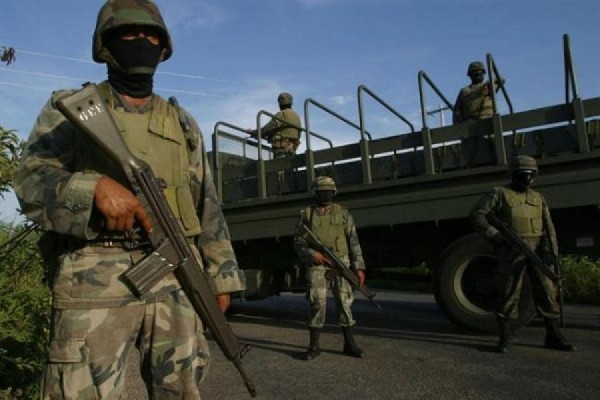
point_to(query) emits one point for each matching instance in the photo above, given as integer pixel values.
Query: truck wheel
(464, 287)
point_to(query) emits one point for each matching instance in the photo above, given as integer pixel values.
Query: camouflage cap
(285, 99)
(474, 66)
(324, 183)
(521, 163)
(116, 13)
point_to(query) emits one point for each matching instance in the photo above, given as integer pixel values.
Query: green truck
(411, 193)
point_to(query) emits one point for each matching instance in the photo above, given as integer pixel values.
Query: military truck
(411, 193)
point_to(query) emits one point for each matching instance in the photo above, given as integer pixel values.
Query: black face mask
(324, 197)
(522, 180)
(476, 76)
(137, 60)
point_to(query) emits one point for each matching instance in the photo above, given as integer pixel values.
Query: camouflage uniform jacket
(495, 202)
(473, 102)
(57, 191)
(276, 131)
(354, 258)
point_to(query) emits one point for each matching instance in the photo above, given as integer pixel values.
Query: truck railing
(310, 158)
(572, 97)
(261, 170)
(364, 143)
(545, 132)
(496, 83)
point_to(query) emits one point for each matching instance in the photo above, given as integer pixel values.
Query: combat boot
(506, 334)
(313, 348)
(350, 347)
(554, 338)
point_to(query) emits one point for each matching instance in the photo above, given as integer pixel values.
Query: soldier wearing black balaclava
(525, 212)
(94, 225)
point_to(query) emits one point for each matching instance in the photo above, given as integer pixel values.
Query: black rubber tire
(464, 288)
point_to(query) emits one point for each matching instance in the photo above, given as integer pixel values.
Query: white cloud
(189, 15)
(342, 100)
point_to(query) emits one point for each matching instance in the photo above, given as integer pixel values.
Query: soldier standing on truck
(334, 227)
(81, 198)
(525, 212)
(282, 132)
(474, 101)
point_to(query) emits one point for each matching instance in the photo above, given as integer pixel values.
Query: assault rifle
(516, 242)
(337, 264)
(171, 251)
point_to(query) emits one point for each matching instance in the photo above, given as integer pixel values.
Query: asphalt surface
(412, 352)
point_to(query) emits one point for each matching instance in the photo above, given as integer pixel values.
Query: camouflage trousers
(284, 147)
(343, 296)
(510, 275)
(88, 351)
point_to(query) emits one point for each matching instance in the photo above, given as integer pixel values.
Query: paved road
(412, 351)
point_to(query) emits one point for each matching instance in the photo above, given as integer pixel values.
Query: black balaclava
(523, 179)
(476, 76)
(137, 60)
(324, 197)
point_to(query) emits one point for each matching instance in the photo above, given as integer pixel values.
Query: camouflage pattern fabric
(116, 13)
(473, 102)
(55, 187)
(319, 280)
(343, 296)
(511, 268)
(283, 138)
(88, 351)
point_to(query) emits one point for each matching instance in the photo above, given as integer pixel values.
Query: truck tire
(464, 289)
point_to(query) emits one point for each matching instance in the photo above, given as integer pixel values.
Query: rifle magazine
(144, 275)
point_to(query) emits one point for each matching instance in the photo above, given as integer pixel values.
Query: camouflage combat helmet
(324, 183)
(116, 13)
(474, 66)
(521, 163)
(285, 99)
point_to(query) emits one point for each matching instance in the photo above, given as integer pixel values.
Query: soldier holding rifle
(523, 211)
(333, 225)
(100, 229)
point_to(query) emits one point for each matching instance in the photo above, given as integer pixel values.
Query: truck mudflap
(464, 288)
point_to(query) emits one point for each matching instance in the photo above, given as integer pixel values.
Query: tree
(10, 151)
(24, 312)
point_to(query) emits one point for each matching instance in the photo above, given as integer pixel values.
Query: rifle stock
(171, 250)
(337, 263)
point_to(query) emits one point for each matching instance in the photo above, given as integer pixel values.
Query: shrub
(24, 313)
(581, 279)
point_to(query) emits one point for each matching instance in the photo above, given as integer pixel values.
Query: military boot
(554, 338)
(506, 334)
(313, 348)
(350, 346)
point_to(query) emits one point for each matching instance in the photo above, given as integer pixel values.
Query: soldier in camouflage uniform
(524, 211)
(474, 101)
(282, 132)
(80, 198)
(334, 227)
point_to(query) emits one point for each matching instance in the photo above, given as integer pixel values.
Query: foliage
(10, 151)
(24, 312)
(581, 279)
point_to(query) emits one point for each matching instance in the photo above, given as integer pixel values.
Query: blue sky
(232, 57)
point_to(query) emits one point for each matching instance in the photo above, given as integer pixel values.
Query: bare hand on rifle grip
(320, 259)
(360, 274)
(119, 206)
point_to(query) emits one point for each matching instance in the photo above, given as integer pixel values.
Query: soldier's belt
(120, 244)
